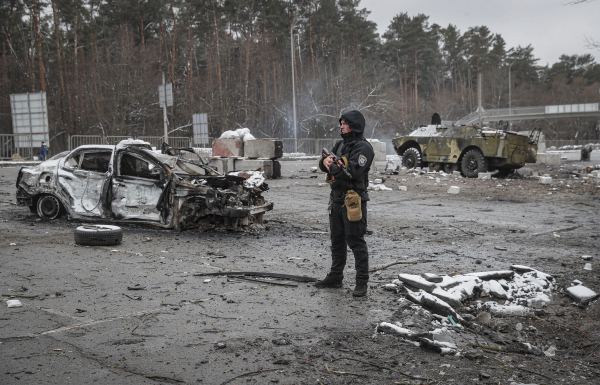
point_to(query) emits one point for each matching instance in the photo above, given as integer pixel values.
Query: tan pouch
(353, 208)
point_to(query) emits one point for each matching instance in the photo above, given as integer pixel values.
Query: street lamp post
(293, 86)
(509, 92)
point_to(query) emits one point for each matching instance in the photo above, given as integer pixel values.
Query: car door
(138, 185)
(83, 175)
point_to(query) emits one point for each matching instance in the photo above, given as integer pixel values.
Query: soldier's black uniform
(359, 155)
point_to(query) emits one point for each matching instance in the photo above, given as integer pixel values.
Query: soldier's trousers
(345, 233)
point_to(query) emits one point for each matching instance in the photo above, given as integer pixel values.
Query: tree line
(101, 62)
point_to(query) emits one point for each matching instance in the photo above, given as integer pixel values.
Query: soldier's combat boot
(332, 280)
(361, 288)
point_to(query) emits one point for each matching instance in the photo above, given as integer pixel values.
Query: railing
(571, 143)
(19, 145)
(588, 109)
(81, 140)
(155, 141)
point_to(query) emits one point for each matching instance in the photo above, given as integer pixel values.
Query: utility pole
(165, 121)
(479, 106)
(510, 93)
(293, 85)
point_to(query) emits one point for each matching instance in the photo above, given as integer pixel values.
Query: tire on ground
(98, 235)
(472, 163)
(412, 158)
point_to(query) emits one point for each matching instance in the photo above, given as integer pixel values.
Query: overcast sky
(552, 27)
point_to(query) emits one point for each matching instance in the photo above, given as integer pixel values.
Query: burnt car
(130, 182)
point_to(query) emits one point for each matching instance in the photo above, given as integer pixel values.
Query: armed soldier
(347, 169)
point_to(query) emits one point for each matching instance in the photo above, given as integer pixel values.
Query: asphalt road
(80, 323)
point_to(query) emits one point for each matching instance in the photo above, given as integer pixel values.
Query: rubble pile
(448, 304)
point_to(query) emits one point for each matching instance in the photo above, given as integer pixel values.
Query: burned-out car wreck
(130, 182)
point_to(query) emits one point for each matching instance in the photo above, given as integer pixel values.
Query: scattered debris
(453, 190)
(581, 294)
(300, 278)
(14, 303)
(500, 293)
(392, 264)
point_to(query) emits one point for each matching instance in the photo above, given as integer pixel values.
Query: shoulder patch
(362, 160)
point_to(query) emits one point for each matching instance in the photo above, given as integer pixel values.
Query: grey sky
(552, 27)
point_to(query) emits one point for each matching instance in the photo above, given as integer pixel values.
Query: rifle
(341, 163)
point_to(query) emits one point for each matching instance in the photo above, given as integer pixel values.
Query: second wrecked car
(132, 183)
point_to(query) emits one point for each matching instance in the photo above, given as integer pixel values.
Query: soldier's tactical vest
(360, 186)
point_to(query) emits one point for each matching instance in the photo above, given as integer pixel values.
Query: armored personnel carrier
(468, 149)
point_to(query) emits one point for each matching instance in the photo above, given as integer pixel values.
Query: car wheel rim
(49, 207)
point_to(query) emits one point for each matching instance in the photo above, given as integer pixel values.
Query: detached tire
(412, 158)
(473, 162)
(98, 235)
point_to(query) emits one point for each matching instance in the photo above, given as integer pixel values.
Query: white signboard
(200, 129)
(161, 96)
(30, 119)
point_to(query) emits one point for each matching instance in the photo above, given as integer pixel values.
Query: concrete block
(581, 294)
(271, 149)
(402, 171)
(226, 148)
(454, 190)
(416, 281)
(380, 151)
(545, 180)
(456, 173)
(223, 165)
(551, 159)
(484, 175)
(432, 277)
(595, 173)
(402, 188)
(525, 171)
(271, 168)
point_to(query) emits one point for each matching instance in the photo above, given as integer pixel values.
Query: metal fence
(155, 141)
(21, 146)
(563, 143)
(307, 146)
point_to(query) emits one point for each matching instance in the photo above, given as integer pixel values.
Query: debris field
(495, 284)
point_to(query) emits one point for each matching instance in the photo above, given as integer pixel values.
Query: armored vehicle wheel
(48, 207)
(473, 162)
(412, 158)
(449, 168)
(98, 235)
